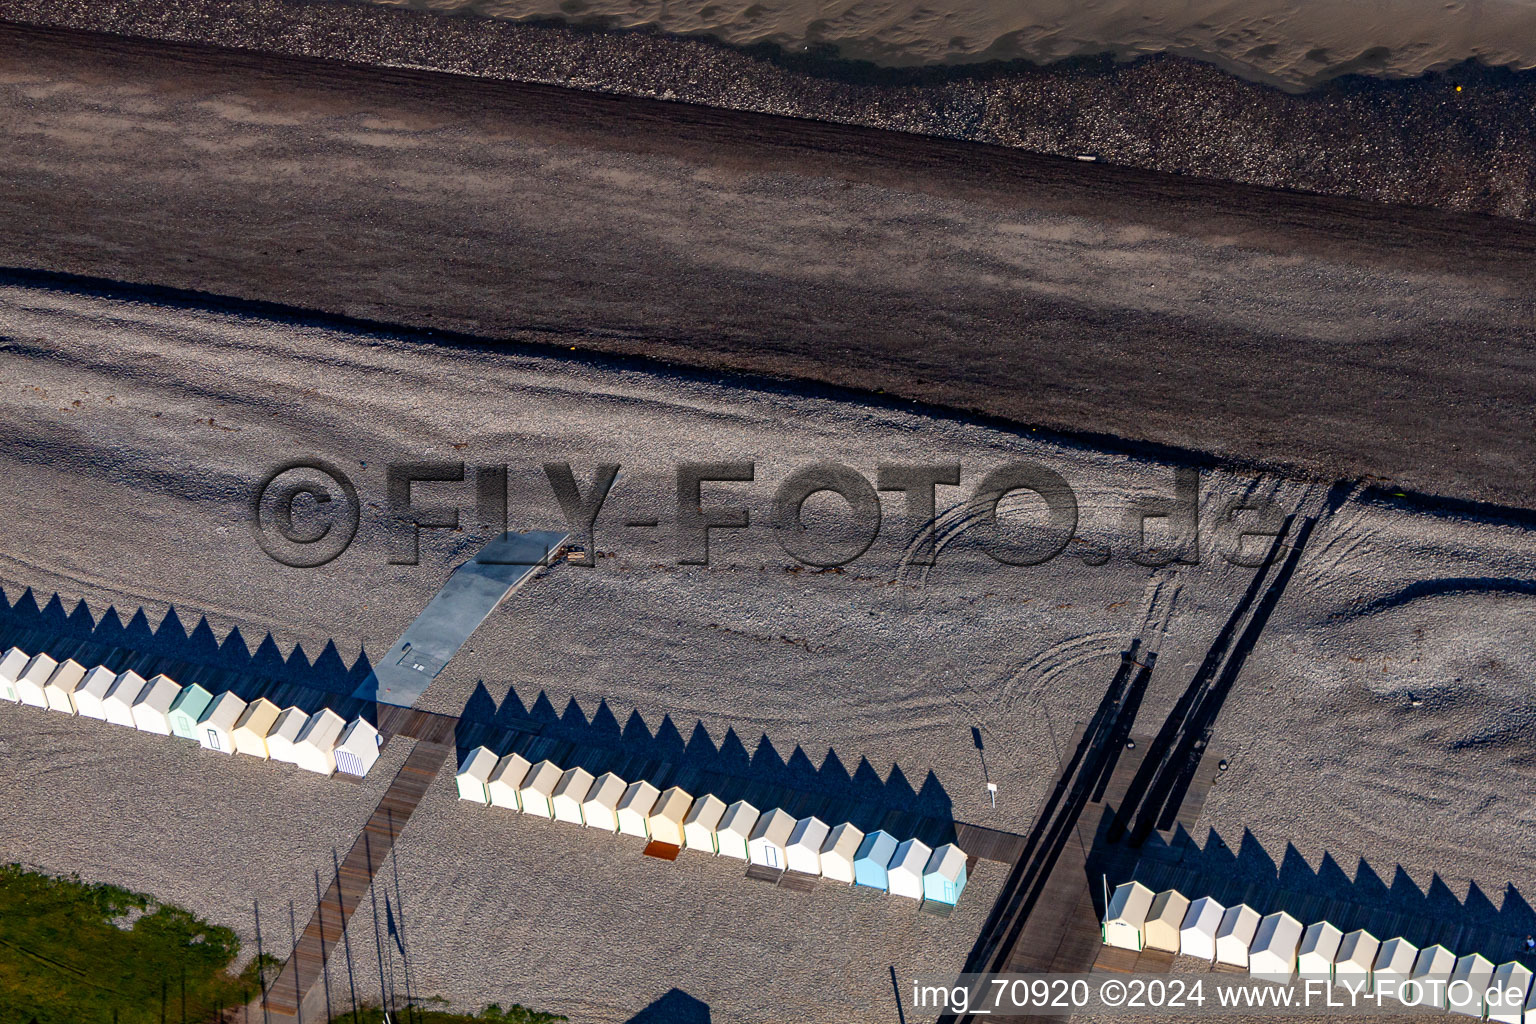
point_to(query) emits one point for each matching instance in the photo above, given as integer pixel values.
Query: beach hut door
(213, 739)
(771, 855)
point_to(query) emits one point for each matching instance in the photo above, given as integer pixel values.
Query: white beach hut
(66, 679)
(905, 874)
(505, 779)
(12, 664)
(769, 837)
(1431, 974)
(357, 748)
(33, 678)
(1315, 955)
(700, 824)
(1394, 966)
(838, 852)
(1272, 954)
(1126, 915)
(945, 876)
(1165, 920)
(315, 750)
(216, 729)
(92, 692)
(569, 793)
(803, 853)
(1470, 979)
(282, 741)
(473, 774)
(252, 728)
(537, 787)
(152, 710)
(600, 809)
(1508, 992)
(1234, 936)
(666, 818)
(1197, 935)
(1356, 958)
(634, 809)
(734, 832)
(119, 701)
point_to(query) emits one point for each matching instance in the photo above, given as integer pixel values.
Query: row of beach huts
(774, 839)
(1277, 947)
(322, 742)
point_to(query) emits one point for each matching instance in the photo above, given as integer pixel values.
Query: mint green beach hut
(188, 710)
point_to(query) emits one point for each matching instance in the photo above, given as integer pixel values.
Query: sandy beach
(1395, 632)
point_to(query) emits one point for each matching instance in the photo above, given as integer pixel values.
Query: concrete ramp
(474, 590)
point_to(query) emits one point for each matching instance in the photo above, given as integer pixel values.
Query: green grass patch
(75, 953)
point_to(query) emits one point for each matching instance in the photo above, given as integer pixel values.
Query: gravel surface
(1418, 141)
(136, 496)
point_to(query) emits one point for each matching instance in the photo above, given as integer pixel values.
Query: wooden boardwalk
(306, 966)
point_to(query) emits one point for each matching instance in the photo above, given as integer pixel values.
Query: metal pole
(261, 967)
(378, 945)
(346, 937)
(298, 992)
(325, 966)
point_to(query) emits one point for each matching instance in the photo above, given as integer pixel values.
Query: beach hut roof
(506, 779)
(478, 764)
(257, 717)
(773, 828)
(321, 729)
(878, 847)
(192, 701)
(706, 812)
(1477, 971)
(1396, 958)
(740, 818)
(225, 711)
(1474, 968)
(672, 805)
(357, 748)
(1433, 962)
(1204, 914)
(1165, 919)
(1129, 904)
(810, 833)
(1273, 949)
(126, 689)
(946, 861)
(66, 679)
(843, 842)
(606, 791)
(360, 734)
(911, 857)
(574, 785)
(1357, 952)
(639, 798)
(13, 663)
(159, 694)
(542, 779)
(97, 682)
(38, 669)
(1320, 939)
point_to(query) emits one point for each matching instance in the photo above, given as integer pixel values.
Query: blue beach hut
(874, 856)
